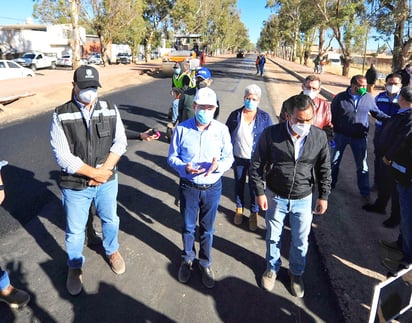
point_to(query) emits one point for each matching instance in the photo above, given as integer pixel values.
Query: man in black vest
(88, 138)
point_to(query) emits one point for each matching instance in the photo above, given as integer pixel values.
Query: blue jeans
(241, 170)
(4, 280)
(405, 203)
(76, 204)
(261, 69)
(359, 149)
(196, 203)
(300, 220)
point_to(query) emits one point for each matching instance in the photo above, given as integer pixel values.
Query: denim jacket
(262, 121)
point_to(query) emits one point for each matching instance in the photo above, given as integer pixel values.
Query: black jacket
(274, 163)
(396, 145)
(371, 75)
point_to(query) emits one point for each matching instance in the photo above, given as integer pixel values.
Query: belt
(201, 187)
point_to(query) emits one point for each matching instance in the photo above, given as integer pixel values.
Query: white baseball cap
(205, 96)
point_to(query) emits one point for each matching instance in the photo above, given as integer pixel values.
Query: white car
(11, 70)
(67, 61)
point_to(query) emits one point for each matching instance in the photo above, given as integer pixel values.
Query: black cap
(86, 76)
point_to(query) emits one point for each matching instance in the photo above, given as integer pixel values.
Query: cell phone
(154, 131)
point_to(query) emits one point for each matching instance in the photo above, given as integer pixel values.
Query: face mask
(302, 129)
(361, 91)
(310, 93)
(88, 95)
(200, 84)
(177, 71)
(204, 116)
(251, 105)
(392, 89)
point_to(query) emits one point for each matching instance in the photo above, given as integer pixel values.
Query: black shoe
(208, 277)
(391, 245)
(373, 208)
(16, 298)
(185, 271)
(390, 222)
(296, 285)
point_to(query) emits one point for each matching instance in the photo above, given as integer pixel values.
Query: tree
(156, 14)
(392, 19)
(346, 18)
(62, 12)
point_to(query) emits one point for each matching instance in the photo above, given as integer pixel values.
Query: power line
(14, 19)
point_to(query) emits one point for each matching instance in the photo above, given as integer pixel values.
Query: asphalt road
(32, 229)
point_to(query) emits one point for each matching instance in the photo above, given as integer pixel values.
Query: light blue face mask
(251, 105)
(204, 116)
(177, 71)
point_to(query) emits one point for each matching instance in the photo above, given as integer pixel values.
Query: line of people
(284, 162)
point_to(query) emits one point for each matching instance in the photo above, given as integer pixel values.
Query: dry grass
(357, 69)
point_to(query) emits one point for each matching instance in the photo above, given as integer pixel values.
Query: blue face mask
(177, 71)
(204, 116)
(251, 105)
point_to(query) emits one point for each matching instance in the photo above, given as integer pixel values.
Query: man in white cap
(200, 152)
(88, 138)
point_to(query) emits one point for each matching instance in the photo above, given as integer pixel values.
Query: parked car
(10, 70)
(154, 54)
(36, 60)
(67, 61)
(123, 58)
(94, 58)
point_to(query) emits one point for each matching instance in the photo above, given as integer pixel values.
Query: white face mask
(392, 89)
(310, 93)
(88, 95)
(301, 129)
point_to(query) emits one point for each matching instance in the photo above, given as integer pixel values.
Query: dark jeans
(241, 170)
(196, 203)
(405, 202)
(261, 69)
(387, 190)
(359, 149)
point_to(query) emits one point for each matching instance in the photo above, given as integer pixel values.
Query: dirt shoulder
(50, 88)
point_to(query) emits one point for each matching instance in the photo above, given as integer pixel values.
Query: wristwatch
(1, 187)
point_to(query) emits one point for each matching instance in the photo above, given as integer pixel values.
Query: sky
(253, 13)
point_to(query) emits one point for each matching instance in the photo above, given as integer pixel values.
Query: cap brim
(200, 102)
(86, 84)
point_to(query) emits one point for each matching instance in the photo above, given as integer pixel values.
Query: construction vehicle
(185, 52)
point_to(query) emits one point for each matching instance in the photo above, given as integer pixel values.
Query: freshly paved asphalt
(150, 243)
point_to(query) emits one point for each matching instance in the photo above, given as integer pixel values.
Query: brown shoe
(116, 263)
(74, 283)
(268, 280)
(238, 216)
(15, 298)
(253, 219)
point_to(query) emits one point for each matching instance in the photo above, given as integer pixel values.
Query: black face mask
(200, 84)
